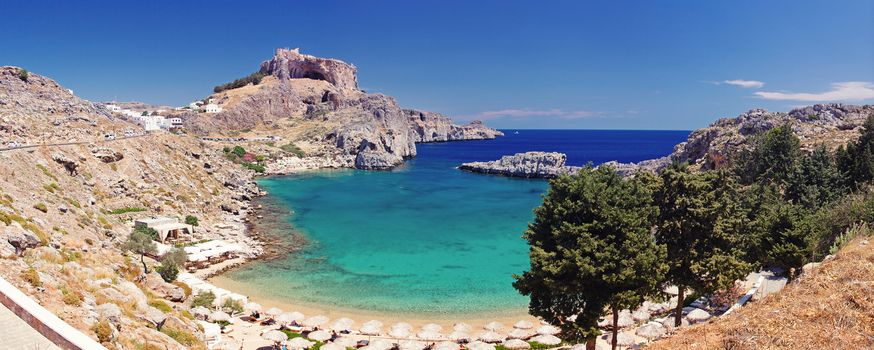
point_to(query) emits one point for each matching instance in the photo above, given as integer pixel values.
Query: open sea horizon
(425, 238)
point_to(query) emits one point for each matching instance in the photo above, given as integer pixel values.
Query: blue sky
(515, 64)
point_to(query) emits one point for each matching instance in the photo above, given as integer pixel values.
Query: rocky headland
(315, 103)
(527, 165)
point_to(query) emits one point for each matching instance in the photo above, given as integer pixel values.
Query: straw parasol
(548, 330)
(315, 321)
(402, 325)
(219, 316)
(459, 336)
(432, 327)
(546, 339)
(412, 345)
(445, 345)
(273, 312)
(399, 333)
(252, 306)
(346, 342)
(285, 317)
(516, 344)
(275, 336)
(493, 326)
(522, 324)
(520, 334)
(478, 345)
(297, 316)
(430, 335)
(381, 344)
(299, 343)
(372, 327)
(342, 324)
(462, 327)
(319, 335)
(490, 337)
(332, 346)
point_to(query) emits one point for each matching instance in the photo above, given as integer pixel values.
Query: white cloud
(842, 91)
(527, 113)
(748, 84)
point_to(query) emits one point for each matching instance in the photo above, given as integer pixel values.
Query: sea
(424, 239)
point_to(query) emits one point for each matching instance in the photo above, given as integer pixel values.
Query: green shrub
(258, 168)
(232, 306)
(127, 210)
(238, 151)
(103, 330)
(191, 220)
(148, 231)
(73, 298)
(180, 336)
(168, 271)
(293, 149)
(160, 305)
(46, 171)
(41, 207)
(23, 74)
(52, 187)
(204, 299)
(32, 277)
(254, 79)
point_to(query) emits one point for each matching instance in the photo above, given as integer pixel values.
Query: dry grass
(830, 308)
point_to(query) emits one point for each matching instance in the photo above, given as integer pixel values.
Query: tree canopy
(591, 249)
(140, 243)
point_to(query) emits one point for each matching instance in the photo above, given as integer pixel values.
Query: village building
(169, 229)
(212, 108)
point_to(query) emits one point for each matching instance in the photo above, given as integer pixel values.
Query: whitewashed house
(212, 108)
(113, 108)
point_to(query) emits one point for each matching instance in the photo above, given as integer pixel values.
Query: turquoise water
(424, 238)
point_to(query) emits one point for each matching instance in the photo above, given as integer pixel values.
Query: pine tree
(699, 222)
(591, 249)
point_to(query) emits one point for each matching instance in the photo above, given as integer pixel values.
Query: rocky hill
(316, 104)
(68, 201)
(823, 124)
(528, 164)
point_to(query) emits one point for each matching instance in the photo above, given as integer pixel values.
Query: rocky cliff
(435, 127)
(315, 102)
(822, 124)
(528, 165)
(66, 207)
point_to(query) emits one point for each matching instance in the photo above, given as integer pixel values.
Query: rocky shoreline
(526, 165)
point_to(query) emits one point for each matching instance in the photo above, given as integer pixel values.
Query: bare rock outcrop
(528, 165)
(435, 127)
(291, 64)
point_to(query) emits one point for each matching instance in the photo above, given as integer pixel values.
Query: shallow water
(426, 238)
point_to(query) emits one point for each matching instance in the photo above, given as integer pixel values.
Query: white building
(212, 108)
(113, 108)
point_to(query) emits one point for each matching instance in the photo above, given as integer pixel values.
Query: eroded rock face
(291, 64)
(435, 127)
(528, 164)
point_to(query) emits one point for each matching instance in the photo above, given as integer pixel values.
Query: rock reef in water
(527, 165)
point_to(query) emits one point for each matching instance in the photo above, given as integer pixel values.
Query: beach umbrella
(275, 336)
(315, 321)
(445, 345)
(493, 326)
(548, 329)
(251, 307)
(200, 311)
(298, 343)
(319, 335)
(346, 342)
(226, 344)
(490, 337)
(342, 324)
(399, 333)
(516, 344)
(285, 317)
(523, 325)
(462, 327)
(478, 345)
(520, 334)
(332, 346)
(381, 344)
(430, 335)
(370, 329)
(296, 316)
(546, 339)
(273, 312)
(219, 316)
(432, 327)
(412, 345)
(459, 336)
(404, 325)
